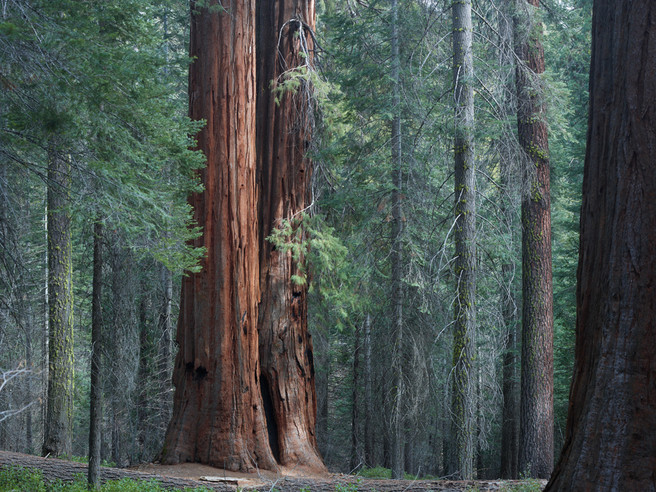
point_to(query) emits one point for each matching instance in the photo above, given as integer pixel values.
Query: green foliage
(348, 487)
(315, 248)
(527, 485)
(13, 479)
(376, 472)
(92, 78)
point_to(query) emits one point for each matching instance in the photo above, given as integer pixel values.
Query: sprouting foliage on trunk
(285, 121)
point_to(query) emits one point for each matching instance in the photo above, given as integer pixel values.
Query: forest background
(101, 87)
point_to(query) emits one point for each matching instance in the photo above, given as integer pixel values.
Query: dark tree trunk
(59, 416)
(369, 451)
(164, 348)
(284, 130)
(356, 460)
(218, 413)
(510, 421)
(462, 406)
(95, 397)
(610, 441)
(536, 402)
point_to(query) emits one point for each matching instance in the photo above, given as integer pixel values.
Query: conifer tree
(536, 405)
(464, 332)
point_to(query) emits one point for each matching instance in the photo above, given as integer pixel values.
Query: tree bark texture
(218, 414)
(284, 130)
(95, 396)
(462, 405)
(610, 440)
(59, 414)
(536, 400)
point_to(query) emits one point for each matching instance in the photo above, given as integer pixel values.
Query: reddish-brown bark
(284, 173)
(610, 441)
(536, 448)
(218, 415)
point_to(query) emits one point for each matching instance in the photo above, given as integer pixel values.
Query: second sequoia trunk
(283, 133)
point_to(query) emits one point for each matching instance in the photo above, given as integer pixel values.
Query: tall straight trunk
(462, 407)
(323, 390)
(218, 413)
(610, 441)
(95, 397)
(397, 256)
(46, 325)
(356, 460)
(510, 414)
(165, 338)
(59, 415)
(284, 131)
(29, 362)
(536, 402)
(369, 452)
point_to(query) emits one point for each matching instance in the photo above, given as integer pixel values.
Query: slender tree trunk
(284, 131)
(165, 331)
(610, 441)
(145, 373)
(95, 397)
(218, 412)
(59, 416)
(462, 407)
(356, 460)
(510, 421)
(397, 255)
(369, 454)
(29, 362)
(536, 408)
(46, 327)
(323, 390)
(509, 312)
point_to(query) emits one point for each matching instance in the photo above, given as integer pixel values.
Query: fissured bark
(285, 42)
(536, 447)
(610, 441)
(58, 425)
(218, 415)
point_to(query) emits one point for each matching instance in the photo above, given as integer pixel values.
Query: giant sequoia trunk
(218, 413)
(536, 406)
(462, 405)
(284, 43)
(58, 425)
(610, 441)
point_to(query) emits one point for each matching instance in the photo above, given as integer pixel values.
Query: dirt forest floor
(192, 475)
